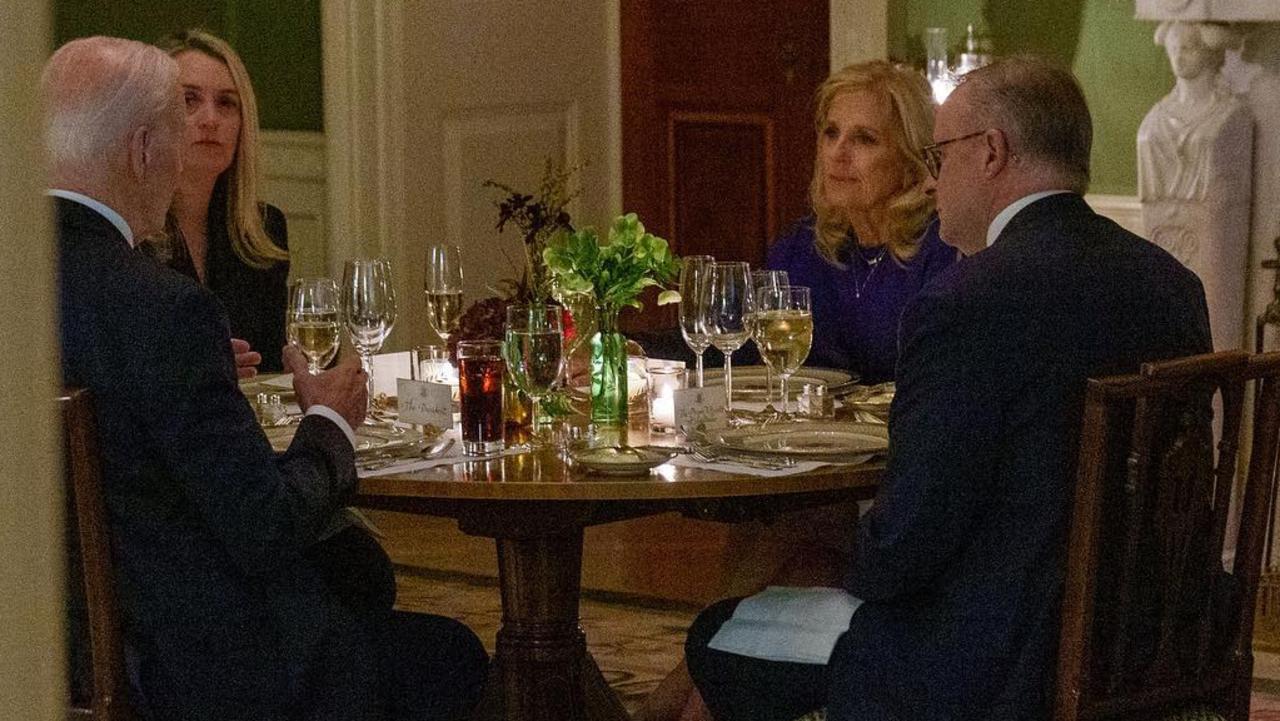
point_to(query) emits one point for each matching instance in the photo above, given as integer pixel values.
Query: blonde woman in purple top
(872, 241)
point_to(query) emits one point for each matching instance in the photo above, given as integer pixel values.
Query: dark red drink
(480, 372)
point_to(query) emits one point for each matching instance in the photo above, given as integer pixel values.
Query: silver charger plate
(369, 439)
(749, 381)
(830, 441)
(621, 460)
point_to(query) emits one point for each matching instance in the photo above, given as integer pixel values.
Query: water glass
(729, 315)
(368, 309)
(535, 347)
(694, 270)
(480, 372)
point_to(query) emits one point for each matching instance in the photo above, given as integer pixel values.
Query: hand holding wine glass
(443, 288)
(313, 320)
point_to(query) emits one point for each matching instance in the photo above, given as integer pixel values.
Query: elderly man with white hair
(240, 599)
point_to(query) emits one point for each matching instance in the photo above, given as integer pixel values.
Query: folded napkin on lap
(794, 625)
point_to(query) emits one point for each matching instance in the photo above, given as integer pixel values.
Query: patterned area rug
(636, 641)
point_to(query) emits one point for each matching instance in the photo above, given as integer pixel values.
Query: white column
(31, 629)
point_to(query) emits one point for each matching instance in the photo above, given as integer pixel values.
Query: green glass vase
(608, 371)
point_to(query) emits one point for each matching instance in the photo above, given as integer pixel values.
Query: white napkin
(731, 467)
(794, 625)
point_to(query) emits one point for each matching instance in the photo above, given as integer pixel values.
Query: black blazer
(255, 298)
(961, 559)
(222, 615)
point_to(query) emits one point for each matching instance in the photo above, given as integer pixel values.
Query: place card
(425, 403)
(699, 407)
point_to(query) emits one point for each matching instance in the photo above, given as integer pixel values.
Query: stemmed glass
(534, 350)
(368, 309)
(694, 270)
(785, 331)
(313, 320)
(728, 318)
(443, 287)
(766, 280)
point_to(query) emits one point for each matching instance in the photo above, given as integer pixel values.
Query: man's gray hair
(97, 90)
(1041, 110)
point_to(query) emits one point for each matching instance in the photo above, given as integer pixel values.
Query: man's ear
(140, 151)
(998, 156)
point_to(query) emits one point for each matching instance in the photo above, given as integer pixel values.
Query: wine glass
(368, 309)
(765, 280)
(313, 320)
(785, 331)
(728, 318)
(694, 270)
(534, 350)
(443, 287)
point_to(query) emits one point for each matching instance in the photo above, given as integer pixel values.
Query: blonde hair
(249, 238)
(908, 96)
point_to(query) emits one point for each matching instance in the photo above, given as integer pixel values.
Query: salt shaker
(815, 403)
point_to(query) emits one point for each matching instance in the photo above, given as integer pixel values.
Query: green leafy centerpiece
(612, 272)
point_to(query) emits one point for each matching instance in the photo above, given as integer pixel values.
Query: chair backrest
(1152, 621)
(94, 614)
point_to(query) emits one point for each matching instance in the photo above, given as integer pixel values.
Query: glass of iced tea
(480, 371)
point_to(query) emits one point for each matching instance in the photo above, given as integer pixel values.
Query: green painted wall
(279, 42)
(1122, 71)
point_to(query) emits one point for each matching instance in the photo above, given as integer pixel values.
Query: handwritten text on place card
(425, 403)
(699, 406)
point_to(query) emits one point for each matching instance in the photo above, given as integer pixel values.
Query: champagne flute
(766, 280)
(443, 288)
(728, 318)
(368, 309)
(534, 350)
(785, 331)
(313, 320)
(694, 270)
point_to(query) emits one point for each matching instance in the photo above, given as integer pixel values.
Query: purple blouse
(856, 308)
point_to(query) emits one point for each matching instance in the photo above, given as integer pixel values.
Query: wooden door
(717, 118)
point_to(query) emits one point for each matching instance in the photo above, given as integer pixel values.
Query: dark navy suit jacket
(961, 559)
(222, 615)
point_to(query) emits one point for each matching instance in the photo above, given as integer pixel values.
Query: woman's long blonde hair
(249, 238)
(908, 95)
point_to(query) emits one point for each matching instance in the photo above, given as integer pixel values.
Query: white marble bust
(1178, 137)
(1195, 155)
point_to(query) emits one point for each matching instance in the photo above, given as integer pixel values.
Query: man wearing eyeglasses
(959, 562)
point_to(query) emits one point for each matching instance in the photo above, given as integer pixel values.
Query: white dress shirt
(1002, 219)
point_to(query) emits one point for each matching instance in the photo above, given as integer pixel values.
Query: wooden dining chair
(1154, 623)
(100, 691)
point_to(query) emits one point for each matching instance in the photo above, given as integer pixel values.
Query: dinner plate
(370, 440)
(831, 441)
(622, 460)
(749, 381)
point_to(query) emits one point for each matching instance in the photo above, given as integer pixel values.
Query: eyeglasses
(933, 153)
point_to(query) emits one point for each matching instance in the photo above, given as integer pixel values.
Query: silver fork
(707, 454)
(438, 450)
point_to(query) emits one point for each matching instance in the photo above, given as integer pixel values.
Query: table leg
(541, 669)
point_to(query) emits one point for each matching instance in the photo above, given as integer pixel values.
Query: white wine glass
(694, 270)
(766, 280)
(443, 288)
(785, 331)
(313, 320)
(368, 309)
(535, 351)
(728, 318)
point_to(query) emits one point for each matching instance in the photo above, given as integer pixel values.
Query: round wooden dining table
(535, 506)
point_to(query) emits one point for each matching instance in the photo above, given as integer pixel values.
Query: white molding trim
(363, 42)
(1123, 209)
(858, 31)
(293, 154)
(294, 178)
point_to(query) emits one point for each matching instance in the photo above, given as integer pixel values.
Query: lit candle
(664, 380)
